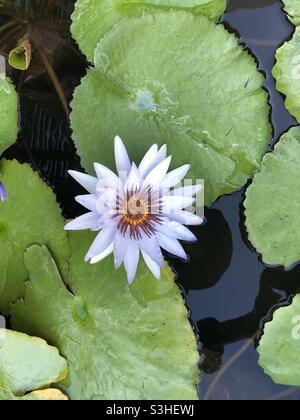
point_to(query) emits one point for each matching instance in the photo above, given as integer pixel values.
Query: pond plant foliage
(156, 76)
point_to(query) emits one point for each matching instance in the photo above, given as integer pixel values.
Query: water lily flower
(3, 193)
(137, 211)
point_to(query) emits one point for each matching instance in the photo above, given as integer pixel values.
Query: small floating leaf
(31, 215)
(279, 347)
(20, 57)
(50, 394)
(273, 203)
(9, 114)
(287, 68)
(92, 19)
(160, 79)
(287, 73)
(120, 341)
(28, 363)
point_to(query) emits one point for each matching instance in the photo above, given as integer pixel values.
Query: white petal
(177, 230)
(88, 201)
(188, 190)
(186, 218)
(131, 260)
(171, 204)
(88, 182)
(103, 255)
(153, 267)
(133, 181)
(162, 154)
(175, 177)
(149, 161)
(151, 247)
(171, 245)
(121, 244)
(86, 221)
(122, 160)
(102, 241)
(103, 172)
(158, 173)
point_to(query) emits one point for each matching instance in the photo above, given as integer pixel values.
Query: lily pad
(31, 215)
(28, 363)
(292, 7)
(92, 19)
(287, 73)
(273, 203)
(50, 394)
(9, 114)
(173, 91)
(120, 341)
(279, 347)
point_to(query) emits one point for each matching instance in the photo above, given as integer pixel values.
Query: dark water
(228, 290)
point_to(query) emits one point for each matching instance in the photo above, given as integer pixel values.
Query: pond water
(228, 290)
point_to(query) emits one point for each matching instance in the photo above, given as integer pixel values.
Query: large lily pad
(178, 79)
(92, 19)
(120, 341)
(287, 73)
(273, 203)
(27, 364)
(9, 114)
(279, 347)
(31, 215)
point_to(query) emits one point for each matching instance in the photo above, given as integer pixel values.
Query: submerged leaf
(92, 19)
(9, 114)
(20, 57)
(160, 79)
(273, 203)
(279, 347)
(120, 341)
(28, 363)
(31, 215)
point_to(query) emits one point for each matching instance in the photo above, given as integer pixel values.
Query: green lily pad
(28, 363)
(279, 347)
(9, 114)
(273, 203)
(194, 89)
(31, 215)
(120, 341)
(92, 19)
(287, 73)
(292, 7)
(50, 394)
